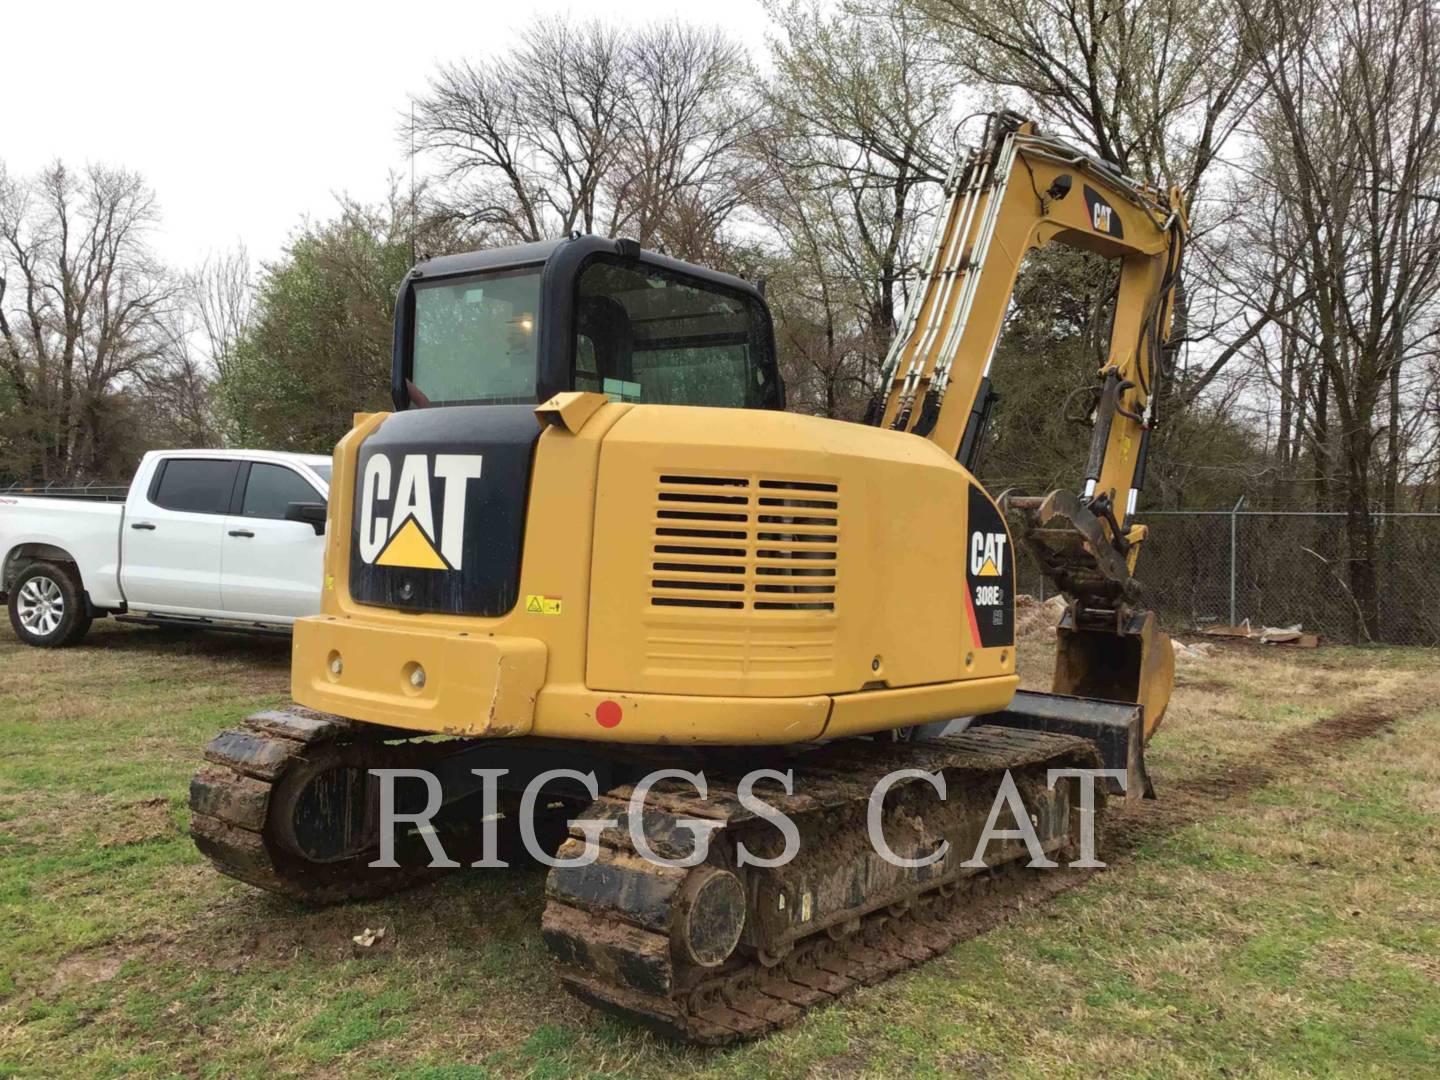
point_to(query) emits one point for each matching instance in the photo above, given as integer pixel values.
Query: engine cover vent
(745, 543)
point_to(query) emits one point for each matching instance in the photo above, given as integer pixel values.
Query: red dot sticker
(607, 713)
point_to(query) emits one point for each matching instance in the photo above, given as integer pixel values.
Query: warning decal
(536, 604)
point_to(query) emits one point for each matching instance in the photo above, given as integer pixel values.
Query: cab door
(171, 537)
(271, 568)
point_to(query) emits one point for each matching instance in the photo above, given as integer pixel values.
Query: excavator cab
(518, 325)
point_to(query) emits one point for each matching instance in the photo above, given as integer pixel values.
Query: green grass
(1290, 927)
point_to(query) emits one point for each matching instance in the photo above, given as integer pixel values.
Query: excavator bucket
(1111, 686)
(1114, 666)
(1133, 662)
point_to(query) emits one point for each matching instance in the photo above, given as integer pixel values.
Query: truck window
(271, 488)
(195, 485)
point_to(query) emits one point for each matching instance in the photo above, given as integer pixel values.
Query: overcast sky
(244, 117)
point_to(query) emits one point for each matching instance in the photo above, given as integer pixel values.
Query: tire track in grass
(1196, 796)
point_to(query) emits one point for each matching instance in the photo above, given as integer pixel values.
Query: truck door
(271, 568)
(170, 540)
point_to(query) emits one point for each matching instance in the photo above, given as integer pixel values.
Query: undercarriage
(713, 952)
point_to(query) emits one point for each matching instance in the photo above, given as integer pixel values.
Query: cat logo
(400, 528)
(1102, 215)
(987, 554)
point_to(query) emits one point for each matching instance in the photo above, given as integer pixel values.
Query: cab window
(194, 485)
(648, 334)
(475, 338)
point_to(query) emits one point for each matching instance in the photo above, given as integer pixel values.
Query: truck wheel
(47, 607)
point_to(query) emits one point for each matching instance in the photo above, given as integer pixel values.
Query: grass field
(1276, 912)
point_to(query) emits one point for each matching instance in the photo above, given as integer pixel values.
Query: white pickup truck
(225, 539)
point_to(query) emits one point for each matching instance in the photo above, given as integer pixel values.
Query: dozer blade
(1116, 728)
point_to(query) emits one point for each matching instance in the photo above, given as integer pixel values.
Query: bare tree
(855, 143)
(1155, 86)
(1351, 150)
(679, 174)
(527, 137)
(826, 347)
(206, 339)
(221, 293)
(177, 393)
(588, 127)
(82, 310)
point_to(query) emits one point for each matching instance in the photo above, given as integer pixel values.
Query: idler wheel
(324, 809)
(710, 917)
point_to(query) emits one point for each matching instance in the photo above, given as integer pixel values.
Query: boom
(1017, 192)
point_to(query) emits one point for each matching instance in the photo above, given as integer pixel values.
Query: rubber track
(753, 1000)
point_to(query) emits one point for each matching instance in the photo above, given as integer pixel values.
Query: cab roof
(470, 262)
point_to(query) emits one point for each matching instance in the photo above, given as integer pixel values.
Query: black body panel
(1102, 215)
(403, 551)
(989, 573)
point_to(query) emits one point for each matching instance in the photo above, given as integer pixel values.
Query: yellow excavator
(589, 544)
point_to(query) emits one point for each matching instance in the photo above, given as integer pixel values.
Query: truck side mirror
(309, 513)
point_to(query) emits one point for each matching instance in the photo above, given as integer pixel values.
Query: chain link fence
(1279, 568)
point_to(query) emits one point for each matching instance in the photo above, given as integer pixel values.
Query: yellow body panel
(488, 682)
(857, 714)
(894, 557)
(572, 712)
(895, 649)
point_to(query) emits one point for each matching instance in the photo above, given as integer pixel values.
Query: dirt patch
(139, 823)
(109, 822)
(1360, 723)
(276, 939)
(84, 969)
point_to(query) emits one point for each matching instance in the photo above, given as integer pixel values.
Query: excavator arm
(1019, 191)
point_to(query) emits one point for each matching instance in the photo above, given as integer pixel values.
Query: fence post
(1234, 519)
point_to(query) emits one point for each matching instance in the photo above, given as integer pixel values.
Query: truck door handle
(241, 532)
(142, 525)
